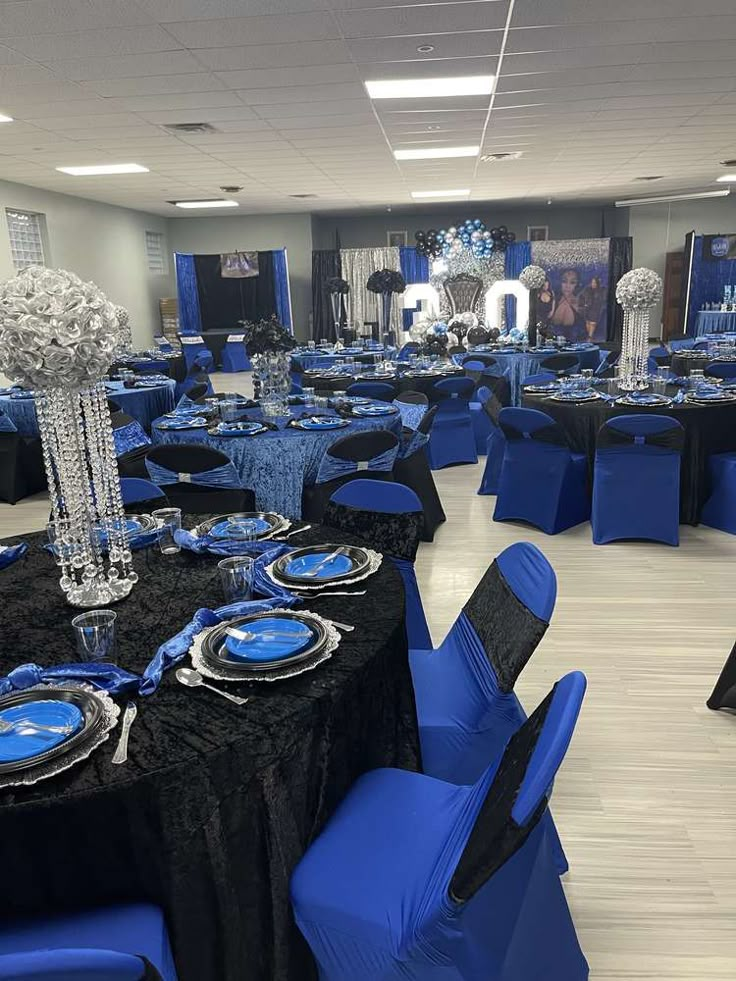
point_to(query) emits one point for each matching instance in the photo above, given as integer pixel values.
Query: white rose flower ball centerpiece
(58, 336)
(637, 292)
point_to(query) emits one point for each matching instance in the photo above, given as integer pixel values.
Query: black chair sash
(392, 534)
(496, 836)
(150, 973)
(508, 630)
(559, 362)
(551, 433)
(670, 439)
(498, 387)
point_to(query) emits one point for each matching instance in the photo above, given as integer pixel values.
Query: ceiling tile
(275, 28)
(126, 66)
(420, 19)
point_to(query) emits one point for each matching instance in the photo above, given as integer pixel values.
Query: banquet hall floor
(646, 800)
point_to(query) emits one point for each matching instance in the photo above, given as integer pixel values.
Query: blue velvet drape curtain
(707, 282)
(186, 287)
(518, 256)
(281, 288)
(414, 269)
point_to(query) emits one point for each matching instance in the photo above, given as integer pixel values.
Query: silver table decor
(58, 336)
(637, 292)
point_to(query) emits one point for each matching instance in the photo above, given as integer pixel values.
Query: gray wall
(256, 232)
(98, 242)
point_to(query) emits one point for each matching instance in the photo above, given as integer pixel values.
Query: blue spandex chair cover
(390, 518)
(372, 390)
(135, 489)
(119, 943)
(636, 481)
(541, 481)
(540, 378)
(452, 439)
(495, 442)
(721, 369)
(197, 355)
(414, 879)
(719, 511)
(235, 357)
(407, 351)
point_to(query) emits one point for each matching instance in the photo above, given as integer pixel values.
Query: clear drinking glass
(59, 536)
(169, 522)
(612, 385)
(236, 576)
(659, 385)
(308, 394)
(94, 633)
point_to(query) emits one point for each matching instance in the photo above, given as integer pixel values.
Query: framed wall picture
(537, 233)
(395, 240)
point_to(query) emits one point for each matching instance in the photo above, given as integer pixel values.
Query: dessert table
(217, 802)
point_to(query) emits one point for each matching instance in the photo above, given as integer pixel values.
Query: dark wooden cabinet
(672, 325)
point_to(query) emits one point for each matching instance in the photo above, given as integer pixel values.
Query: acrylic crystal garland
(637, 292)
(58, 336)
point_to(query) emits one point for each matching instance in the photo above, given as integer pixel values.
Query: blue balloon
(477, 222)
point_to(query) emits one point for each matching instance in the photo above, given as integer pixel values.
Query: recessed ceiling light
(104, 169)
(727, 179)
(425, 48)
(5, 119)
(694, 196)
(441, 194)
(433, 129)
(213, 203)
(437, 152)
(430, 88)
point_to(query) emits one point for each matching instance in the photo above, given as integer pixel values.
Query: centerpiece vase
(273, 382)
(336, 304)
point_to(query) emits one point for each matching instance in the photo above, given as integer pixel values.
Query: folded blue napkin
(11, 553)
(109, 677)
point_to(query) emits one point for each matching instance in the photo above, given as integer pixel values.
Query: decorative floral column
(58, 336)
(534, 278)
(637, 292)
(384, 283)
(268, 343)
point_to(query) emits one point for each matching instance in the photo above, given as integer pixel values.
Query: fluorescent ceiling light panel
(102, 169)
(430, 88)
(441, 194)
(695, 196)
(5, 119)
(438, 152)
(727, 179)
(216, 203)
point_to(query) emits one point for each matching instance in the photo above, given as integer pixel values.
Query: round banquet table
(277, 465)
(683, 362)
(714, 322)
(518, 365)
(315, 359)
(708, 429)
(406, 381)
(217, 802)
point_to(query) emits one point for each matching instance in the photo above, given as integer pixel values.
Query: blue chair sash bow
(129, 437)
(331, 467)
(224, 476)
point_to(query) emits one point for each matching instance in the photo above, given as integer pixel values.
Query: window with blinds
(25, 230)
(156, 254)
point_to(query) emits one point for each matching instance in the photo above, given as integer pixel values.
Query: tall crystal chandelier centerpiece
(58, 336)
(637, 292)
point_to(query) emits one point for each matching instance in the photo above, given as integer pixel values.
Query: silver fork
(6, 727)
(326, 561)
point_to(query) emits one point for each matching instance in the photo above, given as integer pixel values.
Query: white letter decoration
(417, 292)
(498, 291)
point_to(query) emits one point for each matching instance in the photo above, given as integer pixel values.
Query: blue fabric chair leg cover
(543, 484)
(88, 940)
(452, 439)
(482, 427)
(719, 511)
(495, 449)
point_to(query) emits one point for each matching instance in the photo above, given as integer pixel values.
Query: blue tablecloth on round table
(143, 404)
(518, 365)
(714, 322)
(277, 465)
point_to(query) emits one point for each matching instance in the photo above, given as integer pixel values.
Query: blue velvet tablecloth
(277, 465)
(518, 365)
(143, 404)
(714, 322)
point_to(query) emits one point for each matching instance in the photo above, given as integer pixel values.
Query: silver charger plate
(203, 663)
(574, 397)
(370, 566)
(653, 400)
(238, 429)
(717, 399)
(109, 713)
(277, 521)
(193, 422)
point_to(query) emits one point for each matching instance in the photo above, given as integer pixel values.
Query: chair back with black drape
(21, 463)
(381, 391)
(658, 357)
(408, 350)
(326, 265)
(607, 367)
(388, 517)
(542, 481)
(460, 877)
(131, 445)
(412, 469)
(198, 479)
(113, 406)
(540, 378)
(452, 439)
(495, 446)
(643, 452)
(561, 364)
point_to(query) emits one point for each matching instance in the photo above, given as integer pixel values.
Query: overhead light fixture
(727, 179)
(695, 196)
(437, 152)
(5, 119)
(425, 48)
(441, 194)
(101, 169)
(430, 88)
(213, 203)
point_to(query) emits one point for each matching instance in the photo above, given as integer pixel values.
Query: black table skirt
(708, 429)
(217, 802)
(683, 362)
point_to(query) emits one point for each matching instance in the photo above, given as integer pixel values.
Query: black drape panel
(223, 302)
(620, 262)
(325, 264)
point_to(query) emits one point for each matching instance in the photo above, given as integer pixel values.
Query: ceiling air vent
(190, 128)
(652, 177)
(496, 157)
(302, 195)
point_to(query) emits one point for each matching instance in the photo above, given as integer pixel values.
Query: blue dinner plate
(304, 565)
(24, 741)
(270, 644)
(375, 410)
(228, 529)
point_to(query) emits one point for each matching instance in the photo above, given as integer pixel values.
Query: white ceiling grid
(596, 94)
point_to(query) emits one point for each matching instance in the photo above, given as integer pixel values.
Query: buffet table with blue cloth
(277, 465)
(518, 365)
(217, 802)
(714, 322)
(143, 404)
(708, 429)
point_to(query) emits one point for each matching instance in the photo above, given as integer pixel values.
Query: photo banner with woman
(574, 300)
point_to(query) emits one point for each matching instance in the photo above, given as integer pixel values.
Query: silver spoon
(193, 679)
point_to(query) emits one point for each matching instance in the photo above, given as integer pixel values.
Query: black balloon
(495, 233)
(477, 335)
(511, 237)
(502, 229)
(420, 236)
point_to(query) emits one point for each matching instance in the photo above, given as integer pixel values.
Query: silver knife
(121, 753)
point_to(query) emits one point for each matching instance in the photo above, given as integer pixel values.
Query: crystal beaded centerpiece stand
(637, 292)
(274, 382)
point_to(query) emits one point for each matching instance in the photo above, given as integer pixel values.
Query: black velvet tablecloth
(336, 383)
(217, 802)
(684, 361)
(708, 429)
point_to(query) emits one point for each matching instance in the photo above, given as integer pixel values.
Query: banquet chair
(198, 355)
(542, 481)
(131, 445)
(495, 441)
(143, 493)
(197, 374)
(462, 292)
(498, 385)
(700, 346)
(452, 439)
(115, 943)
(347, 459)
(561, 364)
(486, 359)
(412, 406)
(540, 378)
(194, 395)
(456, 349)
(721, 369)
(412, 469)
(389, 518)
(415, 879)
(641, 452)
(607, 367)
(235, 357)
(113, 406)
(372, 390)
(198, 479)
(407, 350)
(719, 510)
